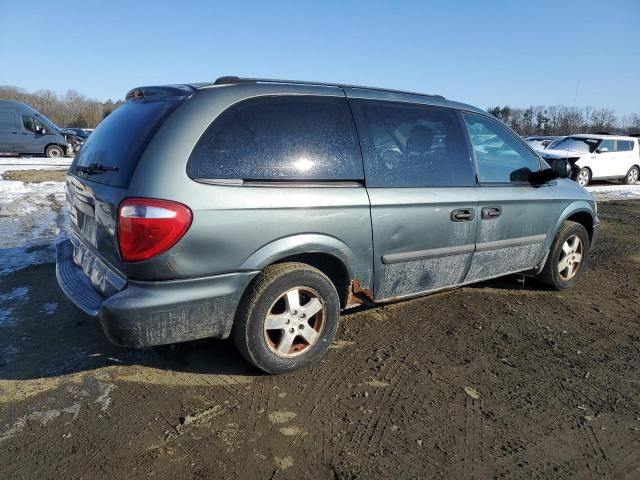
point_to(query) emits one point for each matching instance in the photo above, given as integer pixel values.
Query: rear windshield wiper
(95, 168)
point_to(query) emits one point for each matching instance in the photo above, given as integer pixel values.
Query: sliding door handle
(489, 213)
(462, 215)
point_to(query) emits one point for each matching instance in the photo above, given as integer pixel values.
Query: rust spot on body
(358, 295)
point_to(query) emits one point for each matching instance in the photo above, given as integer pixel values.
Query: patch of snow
(34, 162)
(33, 216)
(20, 198)
(7, 304)
(42, 418)
(605, 193)
(104, 399)
(49, 308)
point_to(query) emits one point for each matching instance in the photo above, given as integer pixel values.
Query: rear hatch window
(120, 140)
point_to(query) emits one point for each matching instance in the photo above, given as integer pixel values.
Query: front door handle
(489, 213)
(462, 215)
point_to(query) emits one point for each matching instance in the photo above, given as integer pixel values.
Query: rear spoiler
(164, 92)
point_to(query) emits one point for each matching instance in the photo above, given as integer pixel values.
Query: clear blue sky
(481, 52)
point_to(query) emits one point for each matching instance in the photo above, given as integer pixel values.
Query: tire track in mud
(473, 446)
(523, 362)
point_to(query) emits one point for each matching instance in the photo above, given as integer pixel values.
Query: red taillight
(147, 227)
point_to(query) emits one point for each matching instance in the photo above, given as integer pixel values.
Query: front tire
(54, 151)
(567, 257)
(583, 177)
(632, 176)
(288, 318)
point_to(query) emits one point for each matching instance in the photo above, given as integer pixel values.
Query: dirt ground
(499, 380)
(35, 176)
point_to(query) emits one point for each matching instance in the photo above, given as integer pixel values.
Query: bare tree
(72, 109)
(563, 120)
(602, 120)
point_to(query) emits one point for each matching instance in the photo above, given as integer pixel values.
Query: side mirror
(602, 150)
(562, 168)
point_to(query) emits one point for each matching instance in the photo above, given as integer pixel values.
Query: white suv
(599, 157)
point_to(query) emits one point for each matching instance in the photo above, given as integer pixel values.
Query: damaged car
(261, 209)
(598, 157)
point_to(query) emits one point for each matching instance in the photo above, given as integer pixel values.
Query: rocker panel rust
(357, 295)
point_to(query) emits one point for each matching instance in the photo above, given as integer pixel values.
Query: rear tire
(632, 176)
(54, 151)
(288, 318)
(567, 257)
(583, 177)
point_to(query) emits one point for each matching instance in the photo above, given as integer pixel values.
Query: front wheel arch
(551, 273)
(578, 173)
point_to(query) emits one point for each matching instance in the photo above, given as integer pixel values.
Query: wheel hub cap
(570, 257)
(583, 178)
(294, 322)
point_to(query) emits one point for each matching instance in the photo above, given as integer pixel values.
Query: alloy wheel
(294, 322)
(570, 257)
(583, 178)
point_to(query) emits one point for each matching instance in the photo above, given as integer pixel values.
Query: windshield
(578, 144)
(46, 122)
(553, 144)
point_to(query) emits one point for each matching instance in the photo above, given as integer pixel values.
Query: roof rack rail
(233, 80)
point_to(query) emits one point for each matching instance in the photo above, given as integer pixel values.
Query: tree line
(563, 120)
(74, 109)
(69, 110)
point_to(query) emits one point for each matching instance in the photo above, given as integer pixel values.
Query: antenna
(575, 98)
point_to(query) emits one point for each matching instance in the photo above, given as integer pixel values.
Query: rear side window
(280, 138)
(501, 156)
(625, 145)
(607, 146)
(412, 145)
(121, 138)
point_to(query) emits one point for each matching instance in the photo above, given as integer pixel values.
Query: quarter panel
(241, 228)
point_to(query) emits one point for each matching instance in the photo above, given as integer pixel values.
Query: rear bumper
(155, 313)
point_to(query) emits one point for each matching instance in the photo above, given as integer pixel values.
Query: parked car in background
(259, 209)
(24, 130)
(79, 132)
(554, 143)
(75, 138)
(540, 142)
(598, 157)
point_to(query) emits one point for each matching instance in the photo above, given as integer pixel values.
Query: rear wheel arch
(626, 175)
(328, 254)
(328, 264)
